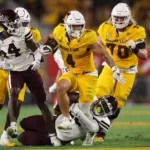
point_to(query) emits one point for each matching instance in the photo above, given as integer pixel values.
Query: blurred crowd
(51, 12)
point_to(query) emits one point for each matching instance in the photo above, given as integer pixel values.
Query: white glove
(131, 44)
(45, 49)
(36, 63)
(117, 75)
(5, 66)
(52, 89)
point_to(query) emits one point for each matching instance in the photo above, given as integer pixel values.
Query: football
(53, 44)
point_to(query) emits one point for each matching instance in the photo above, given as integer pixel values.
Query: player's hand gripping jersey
(116, 44)
(76, 54)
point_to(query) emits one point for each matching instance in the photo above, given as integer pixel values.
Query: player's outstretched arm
(100, 49)
(85, 122)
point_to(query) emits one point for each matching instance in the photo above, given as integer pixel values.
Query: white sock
(4, 134)
(52, 137)
(14, 124)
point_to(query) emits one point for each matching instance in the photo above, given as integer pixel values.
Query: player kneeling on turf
(33, 135)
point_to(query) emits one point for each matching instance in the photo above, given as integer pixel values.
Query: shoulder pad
(28, 34)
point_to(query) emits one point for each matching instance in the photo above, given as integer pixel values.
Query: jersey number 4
(70, 60)
(11, 50)
(123, 51)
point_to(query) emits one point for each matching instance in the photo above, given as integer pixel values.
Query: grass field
(131, 131)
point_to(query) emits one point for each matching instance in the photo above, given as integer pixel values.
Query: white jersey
(81, 125)
(77, 131)
(16, 52)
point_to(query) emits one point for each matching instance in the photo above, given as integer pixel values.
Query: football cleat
(4, 141)
(65, 125)
(55, 141)
(89, 140)
(99, 139)
(12, 130)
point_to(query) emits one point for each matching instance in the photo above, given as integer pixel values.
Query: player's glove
(132, 46)
(117, 75)
(36, 63)
(45, 50)
(5, 66)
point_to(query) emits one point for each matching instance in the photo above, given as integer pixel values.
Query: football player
(22, 58)
(77, 45)
(124, 40)
(36, 135)
(62, 69)
(25, 20)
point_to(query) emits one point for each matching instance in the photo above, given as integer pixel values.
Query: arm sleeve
(28, 36)
(59, 60)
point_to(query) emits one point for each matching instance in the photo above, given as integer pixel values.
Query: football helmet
(24, 15)
(104, 106)
(74, 18)
(121, 15)
(9, 20)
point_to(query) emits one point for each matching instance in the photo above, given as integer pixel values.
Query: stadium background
(46, 14)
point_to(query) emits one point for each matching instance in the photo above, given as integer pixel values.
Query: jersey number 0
(123, 51)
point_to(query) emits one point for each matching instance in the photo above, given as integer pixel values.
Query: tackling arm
(99, 49)
(81, 119)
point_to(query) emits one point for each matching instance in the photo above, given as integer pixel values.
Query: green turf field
(131, 131)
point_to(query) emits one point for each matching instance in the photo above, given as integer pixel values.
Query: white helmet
(74, 18)
(121, 15)
(23, 14)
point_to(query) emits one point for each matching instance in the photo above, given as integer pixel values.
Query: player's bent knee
(28, 138)
(15, 92)
(60, 88)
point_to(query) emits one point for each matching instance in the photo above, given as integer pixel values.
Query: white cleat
(12, 130)
(72, 143)
(65, 125)
(55, 141)
(89, 140)
(4, 140)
